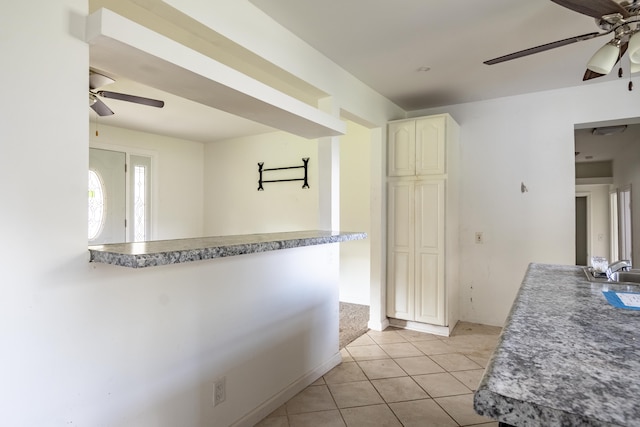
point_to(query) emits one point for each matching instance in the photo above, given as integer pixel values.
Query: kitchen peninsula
(566, 357)
(163, 252)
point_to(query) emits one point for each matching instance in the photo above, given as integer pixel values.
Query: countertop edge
(158, 253)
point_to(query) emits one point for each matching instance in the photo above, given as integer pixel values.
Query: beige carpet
(353, 322)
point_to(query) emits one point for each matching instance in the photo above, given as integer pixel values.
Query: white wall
(179, 172)
(507, 141)
(89, 344)
(233, 204)
(355, 213)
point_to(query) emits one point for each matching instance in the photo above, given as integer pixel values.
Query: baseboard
(444, 331)
(259, 413)
(378, 326)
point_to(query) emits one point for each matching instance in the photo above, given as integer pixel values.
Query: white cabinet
(417, 147)
(422, 219)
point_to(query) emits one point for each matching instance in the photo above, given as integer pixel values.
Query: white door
(107, 196)
(430, 146)
(429, 252)
(401, 254)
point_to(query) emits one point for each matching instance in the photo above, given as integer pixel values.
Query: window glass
(96, 204)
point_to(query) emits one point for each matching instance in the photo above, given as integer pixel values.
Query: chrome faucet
(622, 265)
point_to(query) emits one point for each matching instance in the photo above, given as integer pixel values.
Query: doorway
(119, 204)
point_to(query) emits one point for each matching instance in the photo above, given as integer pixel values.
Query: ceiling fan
(622, 20)
(97, 80)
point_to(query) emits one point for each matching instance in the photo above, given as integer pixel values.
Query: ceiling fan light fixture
(609, 130)
(605, 58)
(634, 48)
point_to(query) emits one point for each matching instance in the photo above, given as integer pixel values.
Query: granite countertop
(566, 357)
(163, 252)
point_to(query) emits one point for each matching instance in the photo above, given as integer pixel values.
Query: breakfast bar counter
(163, 252)
(566, 356)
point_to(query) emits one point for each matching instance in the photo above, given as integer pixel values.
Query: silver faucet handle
(622, 265)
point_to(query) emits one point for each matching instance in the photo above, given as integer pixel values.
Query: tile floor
(397, 378)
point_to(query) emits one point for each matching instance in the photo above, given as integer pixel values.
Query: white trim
(378, 326)
(428, 328)
(280, 398)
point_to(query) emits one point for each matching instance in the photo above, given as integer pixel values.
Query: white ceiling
(179, 118)
(384, 43)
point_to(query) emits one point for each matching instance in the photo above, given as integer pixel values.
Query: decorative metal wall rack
(305, 163)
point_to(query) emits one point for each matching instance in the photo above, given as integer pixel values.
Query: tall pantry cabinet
(422, 224)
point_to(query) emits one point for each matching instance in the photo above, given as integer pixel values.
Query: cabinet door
(430, 146)
(429, 252)
(400, 243)
(402, 148)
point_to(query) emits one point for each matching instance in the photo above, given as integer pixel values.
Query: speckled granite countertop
(163, 252)
(566, 357)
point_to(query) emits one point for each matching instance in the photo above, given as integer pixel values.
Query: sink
(631, 276)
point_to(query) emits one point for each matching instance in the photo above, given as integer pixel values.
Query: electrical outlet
(479, 237)
(219, 391)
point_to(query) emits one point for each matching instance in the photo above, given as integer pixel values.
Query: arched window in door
(96, 204)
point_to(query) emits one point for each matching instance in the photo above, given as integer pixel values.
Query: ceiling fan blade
(588, 74)
(542, 48)
(593, 8)
(101, 108)
(131, 98)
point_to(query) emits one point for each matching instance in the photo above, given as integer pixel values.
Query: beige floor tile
(399, 389)
(375, 369)
(319, 381)
(469, 378)
(386, 337)
(370, 416)
(344, 373)
(346, 357)
(438, 385)
(311, 399)
(422, 413)
(434, 347)
(317, 419)
(455, 362)
(419, 365)
(361, 340)
(401, 349)
(381, 368)
(468, 328)
(359, 393)
(481, 359)
(461, 409)
(417, 336)
(367, 352)
(282, 410)
(281, 421)
(471, 344)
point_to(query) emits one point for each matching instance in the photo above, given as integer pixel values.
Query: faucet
(622, 265)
